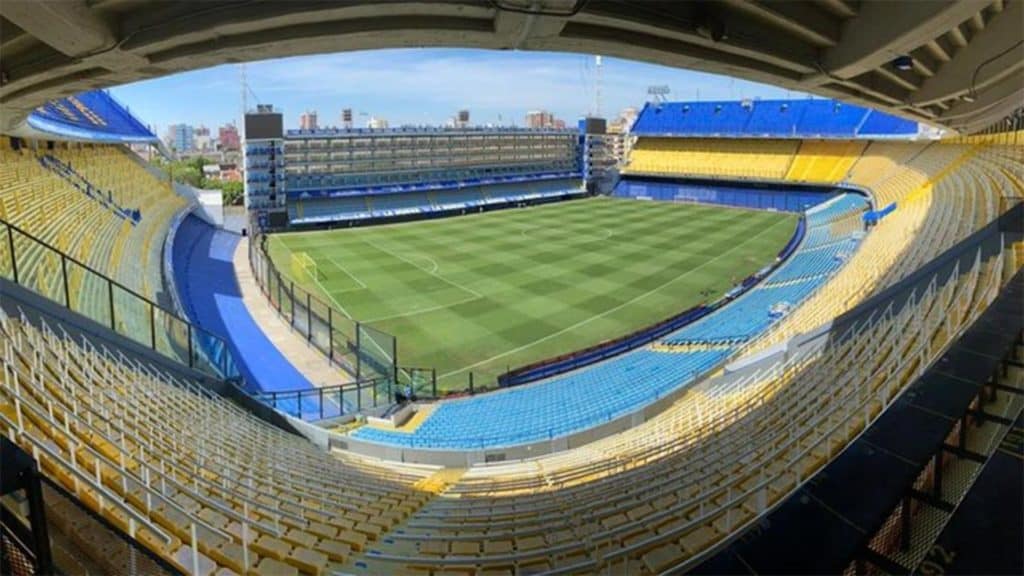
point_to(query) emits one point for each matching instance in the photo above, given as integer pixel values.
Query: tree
(190, 171)
(233, 193)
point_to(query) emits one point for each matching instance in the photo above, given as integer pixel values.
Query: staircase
(65, 171)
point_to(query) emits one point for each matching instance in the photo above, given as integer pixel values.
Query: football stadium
(739, 336)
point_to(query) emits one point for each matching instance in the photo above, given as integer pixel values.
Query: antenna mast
(597, 91)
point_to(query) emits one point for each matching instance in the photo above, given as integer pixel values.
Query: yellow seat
(465, 548)
(272, 567)
(662, 558)
(309, 561)
(271, 547)
(336, 551)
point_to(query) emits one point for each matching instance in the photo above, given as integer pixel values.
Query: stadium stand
(134, 443)
(880, 160)
(705, 157)
(555, 408)
(824, 161)
(47, 206)
(768, 118)
(408, 172)
(933, 465)
(381, 206)
(759, 198)
(937, 205)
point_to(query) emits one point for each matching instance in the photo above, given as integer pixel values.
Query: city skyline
(422, 87)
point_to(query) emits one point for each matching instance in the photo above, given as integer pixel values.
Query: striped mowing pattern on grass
(490, 291)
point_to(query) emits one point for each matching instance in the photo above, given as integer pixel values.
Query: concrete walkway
(293, 345)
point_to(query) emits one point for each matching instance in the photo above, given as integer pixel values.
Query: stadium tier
(824, 161)
(766, 197)
(764, 159)
(351, 175)
(84, 217)
(943, 193)
(385, 205)
(769, 119)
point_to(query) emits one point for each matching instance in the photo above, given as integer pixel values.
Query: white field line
(433, 263)
(323, 290)
(349, 274)
(332, 298)
(434, 274)
(386, 353)
(616, 308)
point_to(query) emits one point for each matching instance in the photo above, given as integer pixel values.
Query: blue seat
(554, 407)
(760, 118)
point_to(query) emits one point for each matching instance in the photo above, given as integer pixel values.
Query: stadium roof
(93, 116)
(966, 68)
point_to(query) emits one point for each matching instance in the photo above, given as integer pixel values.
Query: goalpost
(304, 267)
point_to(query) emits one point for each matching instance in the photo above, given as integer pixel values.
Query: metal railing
(330, 401)
(363, 351)
(36, 265)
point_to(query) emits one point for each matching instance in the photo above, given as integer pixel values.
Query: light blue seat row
(815, 261)
(555, 407)
(747, 316)
(841, 207)
(817, 236)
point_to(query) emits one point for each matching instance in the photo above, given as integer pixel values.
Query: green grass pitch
(489, 291)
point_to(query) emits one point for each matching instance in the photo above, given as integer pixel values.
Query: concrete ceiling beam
(838, 7)
(990, 115)
(995, 95)
(68, 26)
(802, 20)
(937, 51)
(883, 30)
(980, 60)
(957, 37)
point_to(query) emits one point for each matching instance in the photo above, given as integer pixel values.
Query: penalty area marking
(610, 310)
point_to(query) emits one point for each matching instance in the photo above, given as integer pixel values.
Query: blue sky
(422, 86)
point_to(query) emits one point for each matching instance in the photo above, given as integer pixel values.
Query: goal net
(304, 267)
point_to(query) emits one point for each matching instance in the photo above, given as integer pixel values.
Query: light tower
(597, 87)
(658, 94)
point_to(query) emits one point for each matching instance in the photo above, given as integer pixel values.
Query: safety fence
(368, 354)
(36, 265)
